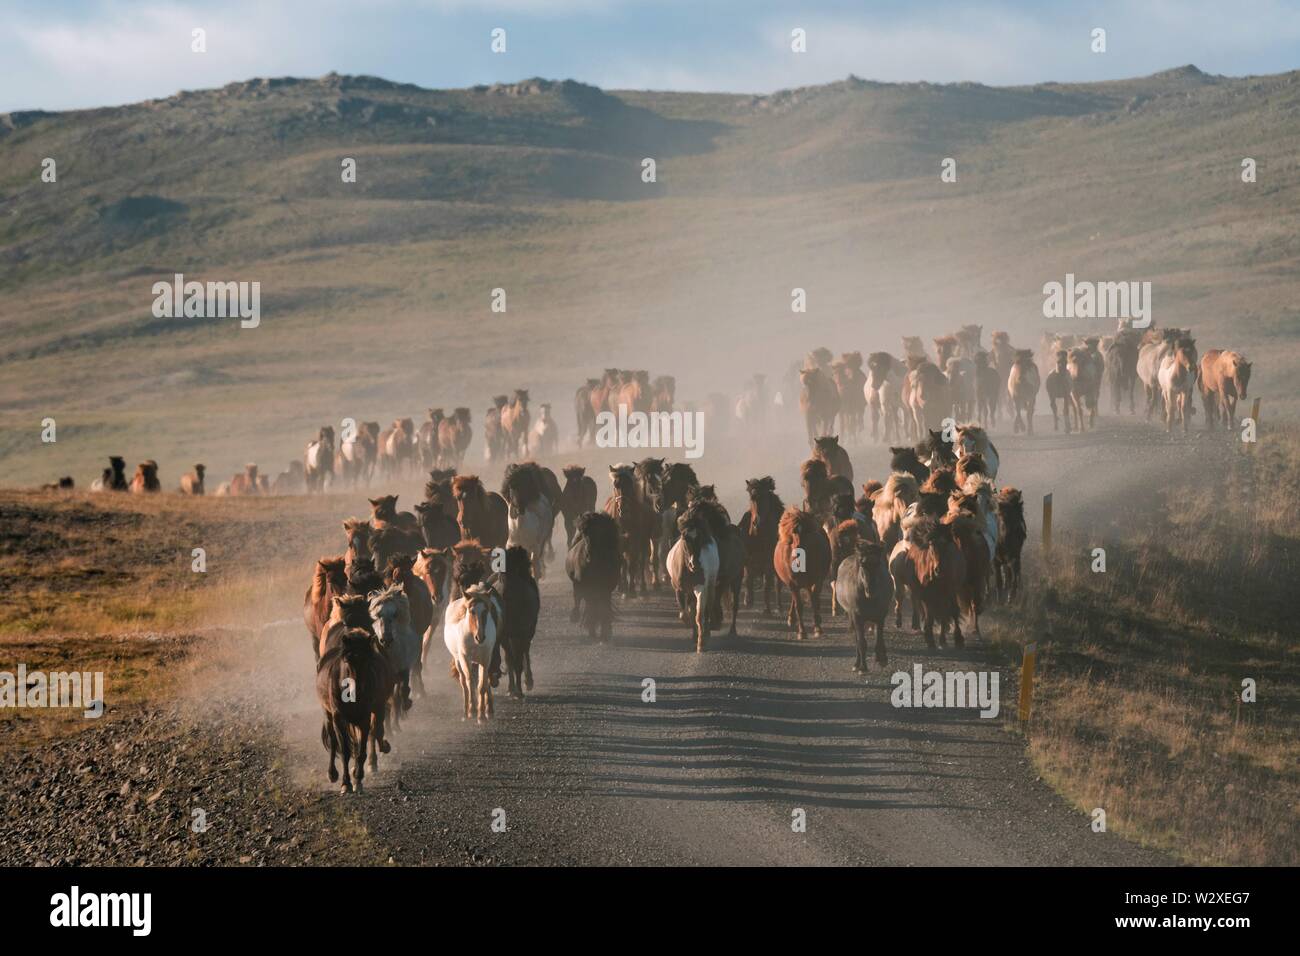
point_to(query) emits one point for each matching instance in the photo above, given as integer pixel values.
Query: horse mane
(600, 530)
(942, 480)
(767, 484)
(571, 472)
(872, 488)
(519, 562)
(899, 486)
(681, 471)
(467, 484)
(796, 523)
(329, 573)
(390, 592)
(522, 484)
(813, 470)
(710, 512)
(354, 609)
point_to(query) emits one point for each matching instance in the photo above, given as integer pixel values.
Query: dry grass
(1136, 708)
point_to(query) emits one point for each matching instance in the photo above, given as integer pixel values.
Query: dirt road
(740, 738)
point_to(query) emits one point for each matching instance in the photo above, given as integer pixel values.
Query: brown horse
(482, 515)
(355, 460)
(318, 460)
(353, 684)
(329, 580)
(248, 483)
(453, 439)
(601, 392)
(1225, 377)
(426, 439)
(595, 566)
(883, 391)
(1011, 541)
(937, 572)
(192, 484)
(145, 480)
(1003, 357)
(819, 400)
(583, 413)
(384, 513)
(820, 489)
(397, 449)
(760, 528)
(628, 510)
(1058, 389)
(929, 395)
(1085, 385)
(828, 449)
(663, 393)
(515, 421)
(1023, 383)
(635, 392)
(988, 388)
(399, 570)
(802, 558)
(967, 532)
(577, 498)
(850, 382)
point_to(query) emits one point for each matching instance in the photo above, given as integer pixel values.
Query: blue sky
(60, 54)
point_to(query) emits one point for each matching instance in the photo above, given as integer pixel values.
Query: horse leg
(681, 604)
(576, 614)
(882, 656)
(815, 596)
(343, 733)
(795, 617)
(462, 673)
(327, 732)
(957, 640)
(735, 607)
(362, 742)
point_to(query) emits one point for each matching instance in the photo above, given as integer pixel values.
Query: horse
(576, 499)
(819, 400)
(601, 393)
(1177, 379)
(1085, 382)
(883, 393)
(113, 477)
(1120, 360)
(355, 460)
(1011, 541)
(627, 509)
(693, 564)
(397, 448)
(1225, 377)
(969, 340)
(437, 528)
(1023, 383)
(514, 425)
(145, 480)
(970, 534)
(663, 393)
(649, 477)
(453, 438)
(820, 489)
(936, 573)
(426, 439)
(246, 483)
(864, 588)
(988, 389)
(751, 404)
(192, 484)
(358, 534)
(828, 449)
(850, 382)
(520, 604)
(731, 555)
(384, 514)
(1003, 357)
(353, 683)
(1058, 389)
(530, 514)
(546, 435)
(759, 526)
(470, 629)
(890, 506)
(1156, 345)
(433, 566)
(390, 616)
(399, 571)
(483, 516)
(494, 436)
(929, 395)
(583, 413)
(329, 580)
(802, 558)
(595, 567)
(291, 481)
(973, 440)
(318, 460)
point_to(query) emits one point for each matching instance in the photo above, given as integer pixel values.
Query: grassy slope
(375, 298)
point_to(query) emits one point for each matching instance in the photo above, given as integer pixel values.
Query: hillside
(375, 294)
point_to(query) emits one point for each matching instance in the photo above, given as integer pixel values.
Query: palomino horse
(693, 565)
(802, 558)
(1177, 381)
(1023, 383)
(627, 509)
(884, 393)
(318, 460)
(973, 440)
(819, 400)
(1225, 376)
(483, 516)
(760, 527)
(470, 629)
(595, 566)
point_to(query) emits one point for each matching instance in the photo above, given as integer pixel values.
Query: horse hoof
(346, 788)
(360, 787)
(385, 746)
(334, 775)
(817, 632)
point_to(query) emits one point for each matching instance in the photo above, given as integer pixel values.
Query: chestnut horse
(819, 400)
(760, 528)
(936, 575)
(583, 412)
(515, 422)
(482, 515)
(628, 510)
(1023, 383)
(802, 558)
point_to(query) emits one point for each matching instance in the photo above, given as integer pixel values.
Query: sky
(64, 54)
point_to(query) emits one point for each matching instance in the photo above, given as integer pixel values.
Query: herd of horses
(908, 396)
(936, 534)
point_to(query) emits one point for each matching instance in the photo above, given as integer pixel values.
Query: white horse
(390, 616)
(693, 566)
(469, 630)
(1177, 379)
(532, 532)
(546, 434)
